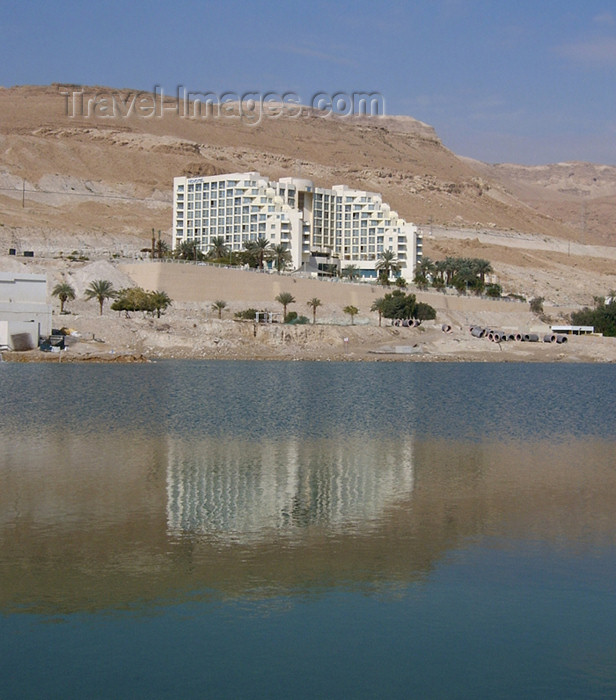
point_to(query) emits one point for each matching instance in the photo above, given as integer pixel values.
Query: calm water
(307, 530)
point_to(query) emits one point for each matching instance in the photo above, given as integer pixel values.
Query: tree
(350, 271)
(482, 268)
(249, 255)
(281, 256)
(219, 305)
(285, 298)
(424, 272)
(378, 305)
(65, 292)
(218, 248)
(399, 305)
(188, 250)
(387, 265)
(466, 278)
(440, 267)
(261, 249)
(602, 317)
(424, 312)
(352, 311)
(159, 301)
(419, 280)
(162, 247)
(450, 267)
(100, 290)
(314, 304)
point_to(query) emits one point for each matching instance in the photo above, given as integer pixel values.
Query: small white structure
(573, 330)
(25, 315)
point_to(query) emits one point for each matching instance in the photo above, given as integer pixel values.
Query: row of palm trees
(461, 273)
(102, 290)
(255, 253)
(286, 299)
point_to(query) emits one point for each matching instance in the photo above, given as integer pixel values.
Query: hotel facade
(323, 229)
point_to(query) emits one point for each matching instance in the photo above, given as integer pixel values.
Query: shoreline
(579, 350)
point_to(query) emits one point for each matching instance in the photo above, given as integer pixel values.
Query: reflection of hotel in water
(241, 491)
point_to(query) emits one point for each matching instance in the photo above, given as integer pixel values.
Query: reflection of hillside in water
(242, 491)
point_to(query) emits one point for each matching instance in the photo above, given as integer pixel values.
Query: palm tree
(314, 304)
(188, 250)
(352, 311)
(162, 247)
(219, 305)
(482, 268)
(249, 254)
(218, 249)
(261, 248)
(426, 266)
(64, 292)
(351, 271)
(379, 305)
(387, 265)
(100, 290)
(160, 301)
(281, 255)
(285, 298)
(450, 267)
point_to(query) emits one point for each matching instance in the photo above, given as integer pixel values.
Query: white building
(320, 227)
(25, 315)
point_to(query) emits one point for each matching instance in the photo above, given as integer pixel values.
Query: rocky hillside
(581, 195)
(90, 169)
(69, 176)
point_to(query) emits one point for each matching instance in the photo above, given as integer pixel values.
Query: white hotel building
(319, 226)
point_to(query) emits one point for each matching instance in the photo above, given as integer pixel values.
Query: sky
(524, 81)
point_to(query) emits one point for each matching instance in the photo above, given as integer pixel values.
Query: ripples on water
(363, 529)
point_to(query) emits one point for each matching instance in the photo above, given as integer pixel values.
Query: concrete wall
(203, 283)
(23, 288)
(23, 299)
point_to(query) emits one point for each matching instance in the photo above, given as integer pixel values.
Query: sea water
(301, 530)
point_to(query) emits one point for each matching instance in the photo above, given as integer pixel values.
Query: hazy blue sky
(528, 81)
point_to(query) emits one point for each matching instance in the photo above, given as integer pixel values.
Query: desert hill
(84, 160)
(81, 168)
(581, 195)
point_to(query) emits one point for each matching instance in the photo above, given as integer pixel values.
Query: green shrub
(298, 321)
(424, 312)
(397, 304)
(248, 314)
(536, 305)
(603, 318)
